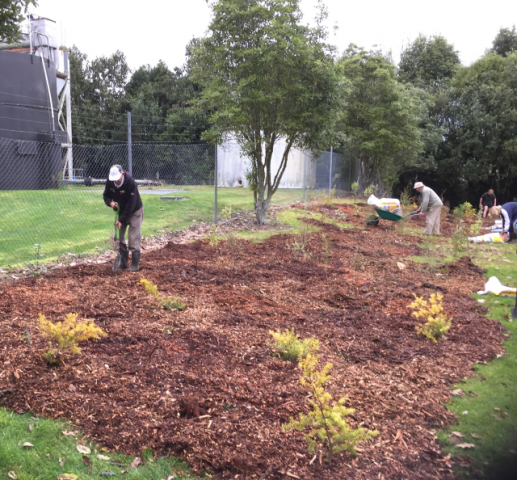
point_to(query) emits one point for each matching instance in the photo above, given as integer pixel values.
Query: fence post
(129, 145)
(330, 172)
(304, 174)
(215, 185)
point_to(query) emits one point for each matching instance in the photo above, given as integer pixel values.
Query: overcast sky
(150, 30)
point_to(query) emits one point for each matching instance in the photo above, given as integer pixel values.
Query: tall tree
(484, 133)
(11, 15)
(98, 96)
(161, 99)
(505, 42)
(266, 77)
(381, 119)
(428, 62)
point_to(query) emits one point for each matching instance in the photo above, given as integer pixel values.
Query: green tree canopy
(505, 42)
(381, 118)
(484, 132)
(428, 62)
(161, 99)
(11, 15)
(266, 77)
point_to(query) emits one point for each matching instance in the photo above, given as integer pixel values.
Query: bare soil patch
(203, 384)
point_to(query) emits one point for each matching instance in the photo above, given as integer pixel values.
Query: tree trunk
(261, 210)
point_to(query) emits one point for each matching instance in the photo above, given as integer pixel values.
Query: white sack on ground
(488, 238)
(497, 288)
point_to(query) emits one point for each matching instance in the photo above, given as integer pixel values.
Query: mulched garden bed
(203, 383)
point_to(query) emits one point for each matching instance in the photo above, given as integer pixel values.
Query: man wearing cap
(431, 205)
(121, 191)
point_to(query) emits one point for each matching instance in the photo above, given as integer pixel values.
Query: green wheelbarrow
(393, 217)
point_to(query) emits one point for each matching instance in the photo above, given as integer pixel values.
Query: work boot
(124, 256)
(135, 263)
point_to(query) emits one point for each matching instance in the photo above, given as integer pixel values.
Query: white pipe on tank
(49, 94)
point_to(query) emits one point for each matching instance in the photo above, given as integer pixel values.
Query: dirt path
(203, 384)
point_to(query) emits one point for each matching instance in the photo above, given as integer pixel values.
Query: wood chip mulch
(203, 383)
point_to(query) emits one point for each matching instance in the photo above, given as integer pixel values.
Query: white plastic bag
(497, 288)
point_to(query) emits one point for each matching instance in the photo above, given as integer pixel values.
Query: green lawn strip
(75, 220)
(41, 462)
(491, 422)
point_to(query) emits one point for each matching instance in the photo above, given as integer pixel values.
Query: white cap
(418, 185)
(115, 173)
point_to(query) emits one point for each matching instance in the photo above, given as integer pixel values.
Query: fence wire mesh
(51, 204)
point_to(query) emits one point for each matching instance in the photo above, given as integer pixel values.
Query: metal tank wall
(30, 151)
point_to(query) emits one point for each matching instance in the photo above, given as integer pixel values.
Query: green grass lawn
(74, 219)
(491, 422)
(50, 447)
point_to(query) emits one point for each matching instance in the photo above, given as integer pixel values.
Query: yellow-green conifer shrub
(327, 420)
(288, 345)
(67, 334)
(171, 303)
(437, 324)
(150, 288)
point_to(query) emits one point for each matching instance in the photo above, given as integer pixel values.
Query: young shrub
(460, 240)
(288, 345)
(327, 420)
(437, 324)
(465, 211)
(213, 238)
(227, 211)
(173, 303)
(406, 198)
(370, 190)
(67, 334)
(355, 188)
(475, 228)
(168, 303)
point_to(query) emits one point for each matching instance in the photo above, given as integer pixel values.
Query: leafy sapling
(437, 324)
(327, 420)
(67, 334)
(168, 303)
(289, 347)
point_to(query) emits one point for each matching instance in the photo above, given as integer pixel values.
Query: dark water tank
(31, 157)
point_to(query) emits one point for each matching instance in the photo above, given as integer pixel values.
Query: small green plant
(168, 303)
(67, 334)
(213, 238)
(406, 199)
(437, 324)
(227, 211)
(465, 211)
(459, 239)
(475, 228)
(355, 188)
(288, 345)
(173, 303)
(370, 190)
(327, 419)
(326, 253)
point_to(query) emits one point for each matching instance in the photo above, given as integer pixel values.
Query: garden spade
(118, 258)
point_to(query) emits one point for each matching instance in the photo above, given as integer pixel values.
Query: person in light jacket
(508, 214)
(431, 205)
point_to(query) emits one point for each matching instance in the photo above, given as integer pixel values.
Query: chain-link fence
(51, 197)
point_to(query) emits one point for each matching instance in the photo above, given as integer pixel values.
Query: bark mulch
(203, 383)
